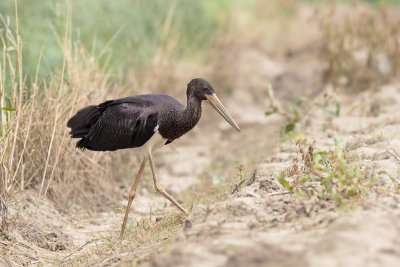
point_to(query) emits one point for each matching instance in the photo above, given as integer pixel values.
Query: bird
(146, 123)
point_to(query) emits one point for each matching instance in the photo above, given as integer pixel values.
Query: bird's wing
(121, 125)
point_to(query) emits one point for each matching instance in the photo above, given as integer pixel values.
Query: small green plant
(297, 113)
(325, 174)
(240, 177)
(293, 114)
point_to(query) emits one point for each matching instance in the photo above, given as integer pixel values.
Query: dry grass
(144, 236)
(211, 189)
(36, 151)
(360, 46)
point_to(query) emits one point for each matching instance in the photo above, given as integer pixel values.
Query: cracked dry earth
(260, 225)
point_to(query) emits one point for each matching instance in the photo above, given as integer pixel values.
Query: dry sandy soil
(257, 226)
(250, 223)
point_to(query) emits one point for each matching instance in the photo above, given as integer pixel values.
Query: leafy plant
(293, 114)
(325, 174)
(297, 113)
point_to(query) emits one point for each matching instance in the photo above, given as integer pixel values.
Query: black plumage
(122, 123)
(132, 121)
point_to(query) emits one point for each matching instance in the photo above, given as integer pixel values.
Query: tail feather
(83, 120)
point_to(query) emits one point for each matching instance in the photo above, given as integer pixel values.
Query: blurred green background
(134, 26)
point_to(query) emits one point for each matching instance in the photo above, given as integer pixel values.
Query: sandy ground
(257, 226)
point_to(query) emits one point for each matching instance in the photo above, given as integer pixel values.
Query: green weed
(325, 174)
(299, 112)
(292, 113)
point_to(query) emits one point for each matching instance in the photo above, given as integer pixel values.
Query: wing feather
(121, 126)
(120, 123)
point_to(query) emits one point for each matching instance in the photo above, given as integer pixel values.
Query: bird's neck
(192, 113)
(179, 122)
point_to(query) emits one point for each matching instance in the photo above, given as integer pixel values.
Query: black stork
(146, 122)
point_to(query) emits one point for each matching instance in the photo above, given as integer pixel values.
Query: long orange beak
(216, 103)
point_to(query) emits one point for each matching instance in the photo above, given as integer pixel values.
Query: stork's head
(201, 89)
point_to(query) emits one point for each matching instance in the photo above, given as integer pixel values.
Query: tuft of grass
(148, 229)
(211, 189)
(298, 113)
(143, 235)
(293, 114)
(325, 174)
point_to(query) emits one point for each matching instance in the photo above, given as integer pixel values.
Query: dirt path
(258, 226)
(55, 237)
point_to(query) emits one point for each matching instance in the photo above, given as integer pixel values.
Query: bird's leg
(160, 189)
(132, 195)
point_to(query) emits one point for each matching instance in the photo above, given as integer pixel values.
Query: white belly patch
(155, 142)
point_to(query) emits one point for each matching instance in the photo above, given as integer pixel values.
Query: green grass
(136, 28)
(326, 174)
